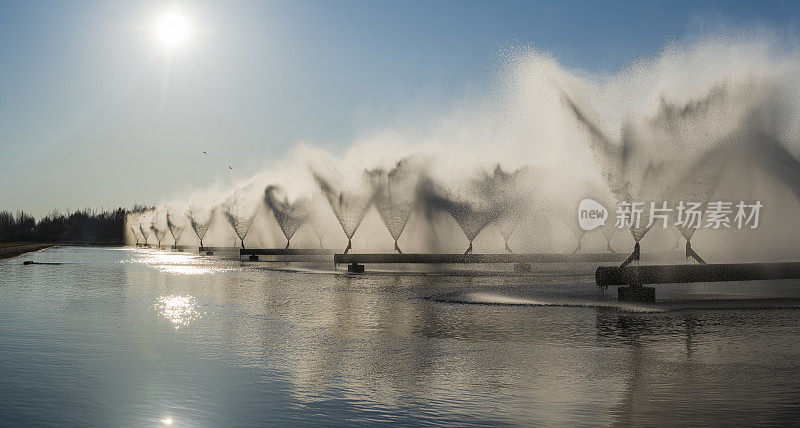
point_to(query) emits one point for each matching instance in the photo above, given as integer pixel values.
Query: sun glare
(172, 29)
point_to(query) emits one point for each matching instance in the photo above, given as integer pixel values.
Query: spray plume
(393, 194)
(175, 228)
(482, 200)
(690, 124)
(348, 203)
(240, 211)
(291, 216)
(200, 219)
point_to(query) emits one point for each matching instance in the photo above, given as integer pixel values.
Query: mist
(710, 120)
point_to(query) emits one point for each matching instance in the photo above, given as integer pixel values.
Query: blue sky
(94, 113)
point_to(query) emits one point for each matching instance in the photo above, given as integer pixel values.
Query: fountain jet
(159, 233)
(240, 223)
(291, 216)
(144, 235)
(394, 194)
(658, 160)
(200, 221)
(175, 229)
(348, 205)
(240, 211)
(134, 235)
(484, 199)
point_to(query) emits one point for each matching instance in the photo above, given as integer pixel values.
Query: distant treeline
(77, 227)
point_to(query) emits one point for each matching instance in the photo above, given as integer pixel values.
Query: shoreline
(18, 250)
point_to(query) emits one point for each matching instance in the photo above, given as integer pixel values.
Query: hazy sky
(95, 112)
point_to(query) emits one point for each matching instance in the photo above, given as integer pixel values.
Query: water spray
(319, 231)
(240, 225)
(175, 230)
(240, 211)
(144, 235)
(158, 225)
(200, 222)
(483, 200)
(134, 236)
(692, 126)
(159, 234)
(507, 224)
(291, 216)
(348, 205)
(393, 192)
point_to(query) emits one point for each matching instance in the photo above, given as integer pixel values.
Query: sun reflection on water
(188, 269)
(179, 310)
(179, 263)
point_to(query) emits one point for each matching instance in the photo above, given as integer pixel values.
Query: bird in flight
(229, 167)
(205, 153)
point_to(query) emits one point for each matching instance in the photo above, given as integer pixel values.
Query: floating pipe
(210, 250)
(285, 252)
(719, 272)
(431, 258)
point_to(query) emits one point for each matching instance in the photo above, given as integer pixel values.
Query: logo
(591, 214)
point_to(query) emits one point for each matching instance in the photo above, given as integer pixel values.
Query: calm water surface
(124, 337)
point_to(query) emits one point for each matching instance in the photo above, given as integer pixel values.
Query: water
(124, 337)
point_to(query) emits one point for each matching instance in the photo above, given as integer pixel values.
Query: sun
(172, 29)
